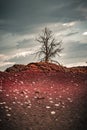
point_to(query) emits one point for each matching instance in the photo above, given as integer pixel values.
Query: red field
(43, 99)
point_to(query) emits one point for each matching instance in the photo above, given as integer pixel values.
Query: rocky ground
(43, 96)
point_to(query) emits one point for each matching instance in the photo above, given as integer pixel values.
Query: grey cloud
(78, 46)
(22, 16)
(72, 33)
(26, 43)
(75, 49)
(5, 49)
(24, 60)
(75, 53)
(70, 11)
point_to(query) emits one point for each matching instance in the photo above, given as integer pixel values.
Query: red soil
(43, 96)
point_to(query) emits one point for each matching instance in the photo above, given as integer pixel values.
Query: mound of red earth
(39, 67)
(43, 96)
(44, 67)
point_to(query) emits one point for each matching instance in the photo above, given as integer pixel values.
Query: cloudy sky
(22, 20)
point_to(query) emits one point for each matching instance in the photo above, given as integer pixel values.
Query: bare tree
(49, 48)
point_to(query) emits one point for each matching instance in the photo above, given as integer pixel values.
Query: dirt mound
(15, 68)
(45, 67)
(38, 67)
(80, 69)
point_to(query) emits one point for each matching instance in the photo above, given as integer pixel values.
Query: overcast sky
(22, 20)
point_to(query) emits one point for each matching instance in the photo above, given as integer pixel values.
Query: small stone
(47, 107)
(53, 112)
(51, 101)
(6, 107)
(14, 102)
(8, 114)
(57, 105)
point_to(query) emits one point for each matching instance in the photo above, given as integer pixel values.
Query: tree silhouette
(49, 48)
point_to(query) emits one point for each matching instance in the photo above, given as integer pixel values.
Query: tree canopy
(49, 46)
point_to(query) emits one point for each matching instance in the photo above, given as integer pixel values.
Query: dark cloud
(70, 11)
(21, 16)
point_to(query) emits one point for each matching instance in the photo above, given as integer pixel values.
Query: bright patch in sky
(69, 24)
(85, 33)
(6, 63)
(23, 53)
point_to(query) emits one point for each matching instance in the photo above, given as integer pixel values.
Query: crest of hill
(38, 67)
(45, 67)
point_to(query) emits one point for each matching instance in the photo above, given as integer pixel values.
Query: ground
(39, 100)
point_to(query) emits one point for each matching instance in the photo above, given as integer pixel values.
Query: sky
(21, 22)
